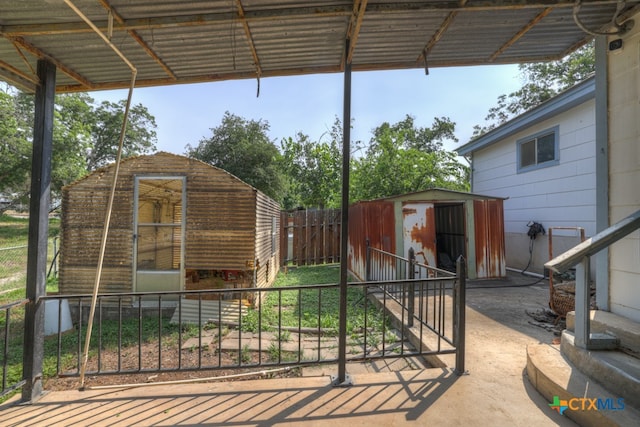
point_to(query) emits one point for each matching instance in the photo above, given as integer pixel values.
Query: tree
(313, 169)
(14, 148)
(541, 81)
(242, 148)
(402, 158)
(84, 137)
(140, 136)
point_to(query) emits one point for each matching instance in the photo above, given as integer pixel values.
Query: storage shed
(177, 224)
(440, 225)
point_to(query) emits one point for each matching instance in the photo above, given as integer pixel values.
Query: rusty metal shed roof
(434, 194)
(180, 41)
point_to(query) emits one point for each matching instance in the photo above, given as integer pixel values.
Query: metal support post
(460, 302)
(342, 379)
(38, 231)
(582, 328)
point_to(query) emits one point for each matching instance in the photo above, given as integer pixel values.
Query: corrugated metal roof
(179, 41)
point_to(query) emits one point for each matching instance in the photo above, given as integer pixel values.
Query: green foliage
(402, 158)
(85, 136)
(314, 170)
(242, 148)
(15, 151)
(540, 82)
(140, 137)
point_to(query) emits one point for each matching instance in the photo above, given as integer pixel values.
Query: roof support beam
(359, 7)
(439, 33)
(247, 31)
(520, 33)
(437, 36)
(46, 57)
(134, 35)
(11, 69)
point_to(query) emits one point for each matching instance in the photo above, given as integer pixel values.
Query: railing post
(582, 295)
(411, 306)
(367, 262)
(460, 296)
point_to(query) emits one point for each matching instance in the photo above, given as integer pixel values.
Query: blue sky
(186, 113)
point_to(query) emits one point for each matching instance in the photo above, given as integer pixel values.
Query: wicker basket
(562, 303)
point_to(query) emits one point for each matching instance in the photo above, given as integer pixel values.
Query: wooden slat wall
(220, 225)
(316, 236)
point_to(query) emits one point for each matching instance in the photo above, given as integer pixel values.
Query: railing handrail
(595, 244)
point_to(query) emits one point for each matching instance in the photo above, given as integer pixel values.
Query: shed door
(159, 217)
(489, 238)
(419, 231)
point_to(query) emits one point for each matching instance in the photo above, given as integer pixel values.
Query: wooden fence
(310, 237)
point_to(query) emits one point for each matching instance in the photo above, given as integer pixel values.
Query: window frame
(555, 131)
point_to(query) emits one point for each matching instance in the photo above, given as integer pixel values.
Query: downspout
(602, 169)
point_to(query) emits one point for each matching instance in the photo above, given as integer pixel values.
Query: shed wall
(373, 221)
(267, 240)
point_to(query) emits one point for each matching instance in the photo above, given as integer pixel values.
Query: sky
(185, 114)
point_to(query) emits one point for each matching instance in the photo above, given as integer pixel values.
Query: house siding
(624, 172)
(562, 195)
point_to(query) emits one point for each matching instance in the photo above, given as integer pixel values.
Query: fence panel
(310, 237)
(13, 265)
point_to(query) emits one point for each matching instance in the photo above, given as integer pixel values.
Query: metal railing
(422, 293)
(157, 332)
(12, 319)
(580, 257)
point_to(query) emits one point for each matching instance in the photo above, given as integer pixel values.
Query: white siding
(624, 173)
(561, 195)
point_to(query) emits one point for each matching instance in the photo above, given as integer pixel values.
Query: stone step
(604, 322)
(616, 371)
(556, 377)
(214, 311)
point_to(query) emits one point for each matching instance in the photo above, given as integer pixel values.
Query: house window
(538, 151)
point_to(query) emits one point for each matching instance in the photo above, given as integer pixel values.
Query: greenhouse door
(159, 217)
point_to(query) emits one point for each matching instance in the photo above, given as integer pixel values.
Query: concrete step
(627, 331)
(616, 371)
(559, 381)
(214, 311)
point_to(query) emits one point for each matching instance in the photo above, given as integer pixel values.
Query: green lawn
(14, 234)
(312, 308)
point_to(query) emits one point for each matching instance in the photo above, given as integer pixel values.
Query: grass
(312, 308)
(14, 233)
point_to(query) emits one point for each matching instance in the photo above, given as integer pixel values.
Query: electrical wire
(620, 28)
